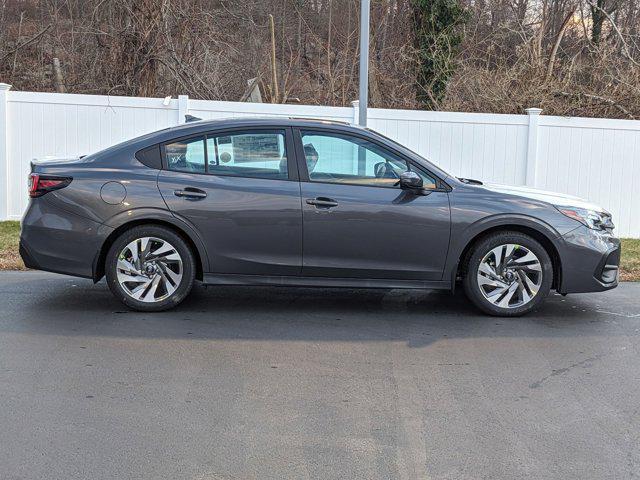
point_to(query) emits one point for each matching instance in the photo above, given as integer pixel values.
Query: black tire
(182, 288)
(473, 289)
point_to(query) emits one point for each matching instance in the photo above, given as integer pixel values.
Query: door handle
(322, 202)
(190, 192)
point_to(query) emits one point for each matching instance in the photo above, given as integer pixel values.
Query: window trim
(441, 185)
(289, 146)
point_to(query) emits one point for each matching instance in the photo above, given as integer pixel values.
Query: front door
(357, 220)
(240, 191)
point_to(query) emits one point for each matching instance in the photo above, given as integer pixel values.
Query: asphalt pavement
(275, 383)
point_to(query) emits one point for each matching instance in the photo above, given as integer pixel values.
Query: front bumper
(590, 261)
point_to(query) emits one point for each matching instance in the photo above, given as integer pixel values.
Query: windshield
(399, 146)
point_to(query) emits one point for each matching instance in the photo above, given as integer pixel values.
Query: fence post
(4, 151)
(356, 112)
(532, 146)
(183, 108)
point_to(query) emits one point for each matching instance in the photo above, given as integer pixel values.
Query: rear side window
(186, 155)
(254, 154)
(259, 154)
(150, 157)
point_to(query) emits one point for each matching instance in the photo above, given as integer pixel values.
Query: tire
(162, 276)
(494, 280)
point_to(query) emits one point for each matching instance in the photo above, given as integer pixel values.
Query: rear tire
(508, 274)
(150, 268)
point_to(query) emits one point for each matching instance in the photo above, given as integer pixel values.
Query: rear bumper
(590, 261)
(55, 240)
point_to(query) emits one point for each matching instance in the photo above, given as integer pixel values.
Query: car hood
(554, 198)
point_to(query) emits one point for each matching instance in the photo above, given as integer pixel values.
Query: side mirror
(410, 181)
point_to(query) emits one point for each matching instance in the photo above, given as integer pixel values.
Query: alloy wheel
(149, 269)
(509, 276)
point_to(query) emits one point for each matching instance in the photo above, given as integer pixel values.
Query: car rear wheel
(150, 268)
(508, 274)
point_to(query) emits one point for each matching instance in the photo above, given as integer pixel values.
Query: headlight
(591, 218)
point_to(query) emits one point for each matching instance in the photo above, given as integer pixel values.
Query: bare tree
(570, 57)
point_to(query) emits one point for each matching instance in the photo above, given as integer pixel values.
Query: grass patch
(9, 236)
(10, 260)
(630, 261)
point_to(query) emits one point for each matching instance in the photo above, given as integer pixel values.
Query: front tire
(508, 274)
(150, 268)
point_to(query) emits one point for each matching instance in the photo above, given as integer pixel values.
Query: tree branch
(26, 42)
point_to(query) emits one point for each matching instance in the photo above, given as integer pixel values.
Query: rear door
(240, 190)
(357, 220)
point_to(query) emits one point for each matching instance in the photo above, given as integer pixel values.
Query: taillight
(41, 184)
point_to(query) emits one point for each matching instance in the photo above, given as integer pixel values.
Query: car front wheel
(150, 268)
(508, 274)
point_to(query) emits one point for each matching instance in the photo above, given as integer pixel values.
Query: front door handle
(322, 202)
(190, 192)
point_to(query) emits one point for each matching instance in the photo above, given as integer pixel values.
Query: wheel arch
(540, 233)
(190, 237)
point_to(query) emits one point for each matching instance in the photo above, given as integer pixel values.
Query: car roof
(202, 126)
(258, 121)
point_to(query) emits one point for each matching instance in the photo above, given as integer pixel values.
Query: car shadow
(68, 306)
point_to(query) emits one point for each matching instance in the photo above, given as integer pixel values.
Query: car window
(338, 158)
(251, 154)
(186, 155)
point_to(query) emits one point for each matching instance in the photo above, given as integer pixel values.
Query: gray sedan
(304, 203)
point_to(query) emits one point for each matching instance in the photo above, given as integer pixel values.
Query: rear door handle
(190, 192)
(322, 202)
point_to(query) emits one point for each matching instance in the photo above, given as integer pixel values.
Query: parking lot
(258, 383)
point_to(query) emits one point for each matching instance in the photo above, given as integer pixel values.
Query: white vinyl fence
(598, 159)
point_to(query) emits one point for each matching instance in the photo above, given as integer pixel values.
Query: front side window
(186, 155)
(337, 158)
(251, 154)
